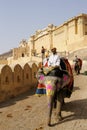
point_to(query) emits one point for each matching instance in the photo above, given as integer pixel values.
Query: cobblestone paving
(29, 112)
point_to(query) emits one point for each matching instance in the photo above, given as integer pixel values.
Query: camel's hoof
(59, 118)
(49, 122)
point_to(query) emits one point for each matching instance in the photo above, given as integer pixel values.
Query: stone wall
(22, 51)
(70, 36)
(16, 79)
(2, 61)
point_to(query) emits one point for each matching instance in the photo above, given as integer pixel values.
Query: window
(34, 74)
(27, 76)
(85, 33)
(22, 54)
(6, 80)
(18, 79)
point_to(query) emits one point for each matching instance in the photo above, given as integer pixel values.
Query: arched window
(22, 54)
(34, 74)
(27, 76)
(6, 80)
(18, 79)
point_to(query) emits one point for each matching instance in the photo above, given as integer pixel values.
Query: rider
(43, 52)
(54, 59)
(45, 61)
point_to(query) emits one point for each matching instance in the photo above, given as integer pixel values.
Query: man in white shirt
(54, 59)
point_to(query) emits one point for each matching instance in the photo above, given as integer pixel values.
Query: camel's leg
(59, 106)
(50, 107)
(50, 90)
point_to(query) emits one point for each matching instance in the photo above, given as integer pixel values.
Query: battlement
(16, 79)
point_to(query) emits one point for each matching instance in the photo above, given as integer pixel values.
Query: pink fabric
(49, 87)
(42, 77)
(65, 77)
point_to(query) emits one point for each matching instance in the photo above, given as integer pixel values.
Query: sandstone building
(22, 50)
(69, 37)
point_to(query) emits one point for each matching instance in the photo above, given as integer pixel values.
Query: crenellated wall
(16, 79)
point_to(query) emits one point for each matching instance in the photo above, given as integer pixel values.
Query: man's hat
(53, 49)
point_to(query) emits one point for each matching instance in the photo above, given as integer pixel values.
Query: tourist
(43, 52)
(45, 61)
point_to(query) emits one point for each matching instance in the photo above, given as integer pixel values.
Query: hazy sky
(19, 19)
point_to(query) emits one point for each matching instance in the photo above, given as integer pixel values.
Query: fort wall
(70, 36)
(16, 79)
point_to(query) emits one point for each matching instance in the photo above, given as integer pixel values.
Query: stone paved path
(28, 112)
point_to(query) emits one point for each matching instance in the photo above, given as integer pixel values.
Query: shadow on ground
(76, 88)
(13, 101)
(78, 109)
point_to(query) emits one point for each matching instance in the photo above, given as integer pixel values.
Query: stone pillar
(81, 27)
(15, 53)
(50, 27)
(66, 31)
(66, 35)
(32, 42)
(31, 45)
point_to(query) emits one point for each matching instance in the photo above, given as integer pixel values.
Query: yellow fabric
(46, 70)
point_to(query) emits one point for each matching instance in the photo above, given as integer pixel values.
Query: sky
(20, 19)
